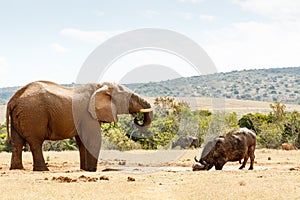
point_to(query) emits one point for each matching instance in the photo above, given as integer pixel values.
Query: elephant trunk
(140, 105)
(147, 119)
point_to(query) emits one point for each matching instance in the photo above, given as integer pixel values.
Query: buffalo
(186, 142)
(288, 147)
(234, 146)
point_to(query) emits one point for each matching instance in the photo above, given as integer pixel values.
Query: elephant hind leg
(17, 146)
(87, 161)
(37, 154)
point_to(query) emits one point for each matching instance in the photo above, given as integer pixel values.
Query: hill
(269, 85)
(278, 84)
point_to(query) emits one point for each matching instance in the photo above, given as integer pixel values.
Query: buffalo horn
(195, 158)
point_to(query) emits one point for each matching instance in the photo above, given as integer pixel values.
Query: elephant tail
(8, 110)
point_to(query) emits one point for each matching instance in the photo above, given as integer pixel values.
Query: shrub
(60, 145)
(291, 131)
(254, 121)
(4, 146)
(115, 138)
(269, 137)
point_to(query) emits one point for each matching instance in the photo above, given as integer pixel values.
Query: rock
(105, 178)
(130, 179)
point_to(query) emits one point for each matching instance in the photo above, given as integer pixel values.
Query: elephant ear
(101, 106)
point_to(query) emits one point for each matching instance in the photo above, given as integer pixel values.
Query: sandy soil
(152, 175)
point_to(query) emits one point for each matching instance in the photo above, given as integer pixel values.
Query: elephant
(44, 110)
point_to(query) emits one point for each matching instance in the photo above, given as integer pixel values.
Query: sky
(51, 39)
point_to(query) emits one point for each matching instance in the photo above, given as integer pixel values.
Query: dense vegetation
(280, 84)
(174, 119)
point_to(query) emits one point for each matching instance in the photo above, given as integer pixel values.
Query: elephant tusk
(147, 110)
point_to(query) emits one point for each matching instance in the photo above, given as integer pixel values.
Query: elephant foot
(89, 169)
(12, 167)
(40, 168)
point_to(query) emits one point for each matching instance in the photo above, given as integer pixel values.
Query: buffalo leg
(246, 157)
(87, 161)
(17, 145)
(252, 156)
(219, 165)
(37, 154)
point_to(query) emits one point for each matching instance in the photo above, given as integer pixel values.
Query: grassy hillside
(282, 84)
(269, 85)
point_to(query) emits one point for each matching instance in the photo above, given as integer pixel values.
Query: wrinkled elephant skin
(44, 110)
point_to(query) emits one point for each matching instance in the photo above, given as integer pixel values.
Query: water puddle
(139, 169)
(147, 169)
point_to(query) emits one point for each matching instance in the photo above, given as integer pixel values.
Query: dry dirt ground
(152, 175)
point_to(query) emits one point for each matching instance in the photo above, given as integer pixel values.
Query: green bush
(169, 126)
(4, 146)
(269, 137)
(291, 131)
(115, 138)
(254, 121)
(60, 145)
(172, 120)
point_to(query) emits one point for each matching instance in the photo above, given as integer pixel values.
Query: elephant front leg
(37, 154)
(88, 162)
(17, 145)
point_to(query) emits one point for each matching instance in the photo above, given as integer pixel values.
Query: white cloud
(59, 48)
(208, 18)
(288, 10)
(254, 45)
(274, 42)
(88, 36)
(150, 14)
